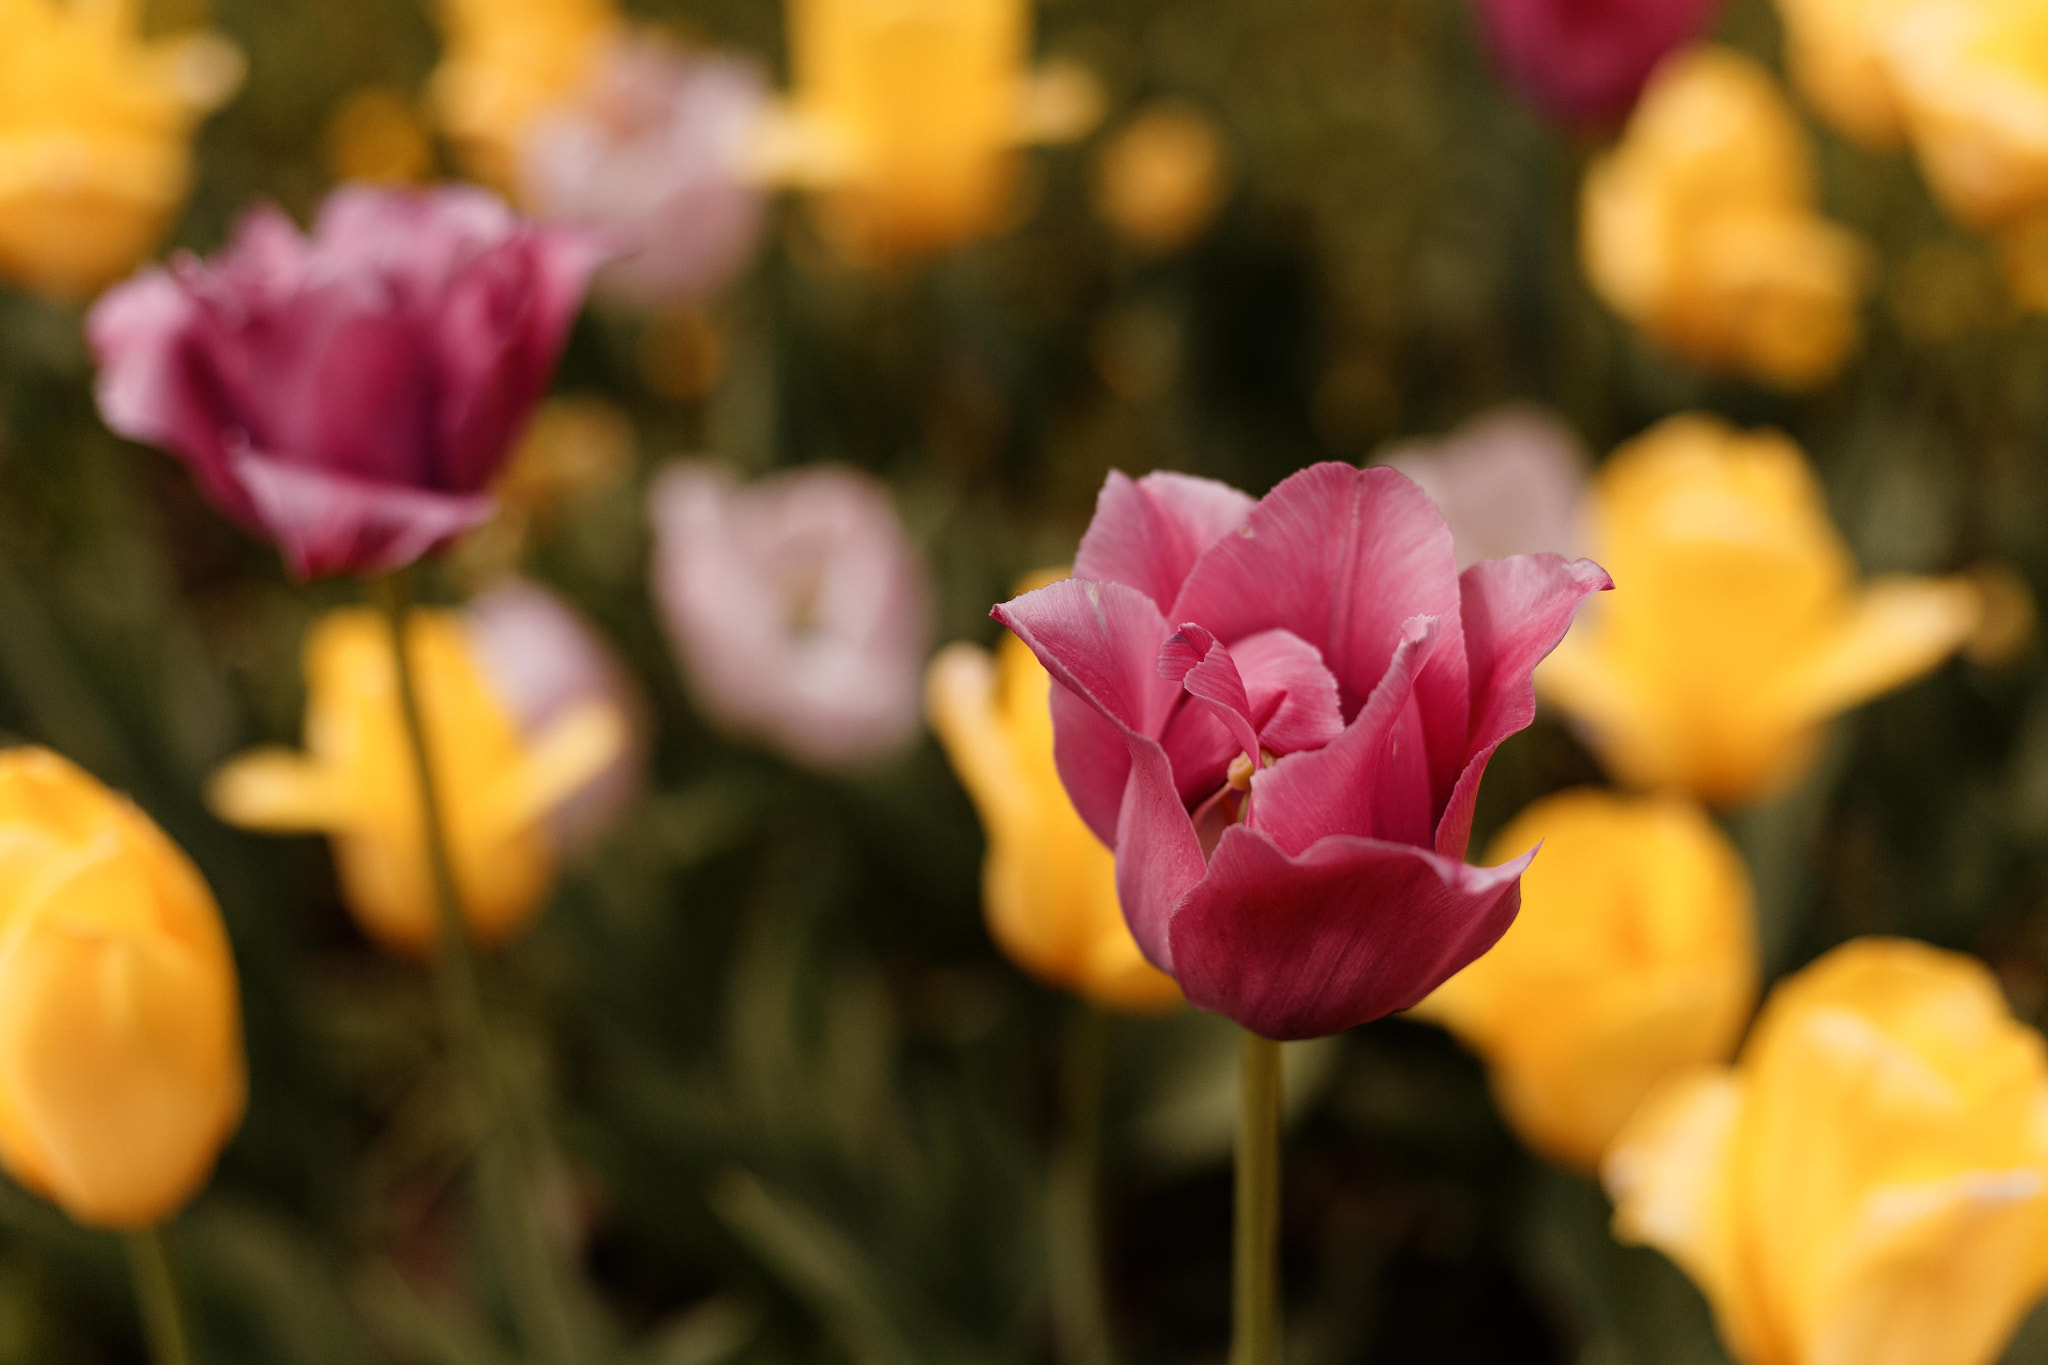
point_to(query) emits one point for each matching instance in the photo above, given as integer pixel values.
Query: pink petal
(1293, 696)
(331, 523)
(1343, 557)
(1193, 658)
(1150, 532)
(1345, 933)
(1158, 856)
(1354, 785)
(1516, 610)
(1100, 641)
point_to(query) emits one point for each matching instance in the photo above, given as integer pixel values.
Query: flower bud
(498, 787)
(1634, 957)
(1048, 885)
(1870, 1181)
(121, 1071)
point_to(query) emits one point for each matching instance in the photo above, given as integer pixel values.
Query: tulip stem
(505, 1181)
(1080, 1320)
(156, 1291)
(1255, 1282)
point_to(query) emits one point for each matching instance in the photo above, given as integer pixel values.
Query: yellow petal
(561, 760)
(1898, 629)
(276, 789)
(1669, 1176)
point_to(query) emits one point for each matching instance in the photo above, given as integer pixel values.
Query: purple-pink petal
(328, 523)
(1516, 611)
(1149, 532)
(1344, 933)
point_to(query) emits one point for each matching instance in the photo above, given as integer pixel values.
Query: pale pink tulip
(1508, 483)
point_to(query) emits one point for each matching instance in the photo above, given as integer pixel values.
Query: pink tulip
(1278, 714)
(1583, 62)
(543, 661)
(1508, 482)
(652, 151)
(799, 612)
(352, 395)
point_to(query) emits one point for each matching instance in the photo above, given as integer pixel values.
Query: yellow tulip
(1049, 885)
(94, 137)
(1870, 1182)
(1702, 228)
(1840, 55)
(121, 1071)
(1973, 77)
(1737, 627)
(907, 115)
(355, 782)
(1633, 957)
(506, 62)
(378, 136)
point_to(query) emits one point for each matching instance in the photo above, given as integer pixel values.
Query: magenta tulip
(349, 396)
(1278, 714)
(1583, 62)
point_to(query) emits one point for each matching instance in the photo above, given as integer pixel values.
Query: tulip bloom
(1702, 227)
(1840, 55)
(499, 786)
(1973, 78)
(506, 63)
(1049, 886)
(1278, 713)
(907, 115)
(799, 612)
(1634, 958)
(652, 149)
(121, 1071)
(1507, 483)
(1870, 1181)
(349, 396)
(1585, 61)
(95, 127)
(1742, 629)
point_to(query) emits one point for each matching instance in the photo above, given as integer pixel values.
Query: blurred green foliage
(804, 1110)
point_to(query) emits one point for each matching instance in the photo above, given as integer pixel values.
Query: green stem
(505, 1190)
(156, 1292)
(1255, 1318)
(1080, 1321)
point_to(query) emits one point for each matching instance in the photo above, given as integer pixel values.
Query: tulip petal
(141, 332)
(1516, 611)
(1350, 786)
(1343, 557)
(1351, 930)
(1670, 1174)
(1193, 658)
(1101, 642)
(564, 757)
(1899, 629)
(277, 789)
(327, 523)
(1149, 532)
(1158, 854)
(1948, 1267)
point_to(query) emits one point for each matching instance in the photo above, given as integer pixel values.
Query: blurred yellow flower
(121, 1071)
(1049, 885)
(1840, 55)
(1870, 1181)
(507, 62)
(1633, 957)
(1161, 179)
(1737, 626)
(378, 136)
(94, 130)
(356, 784)
(1702, 228)
(907, 115)
(1973, 79)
